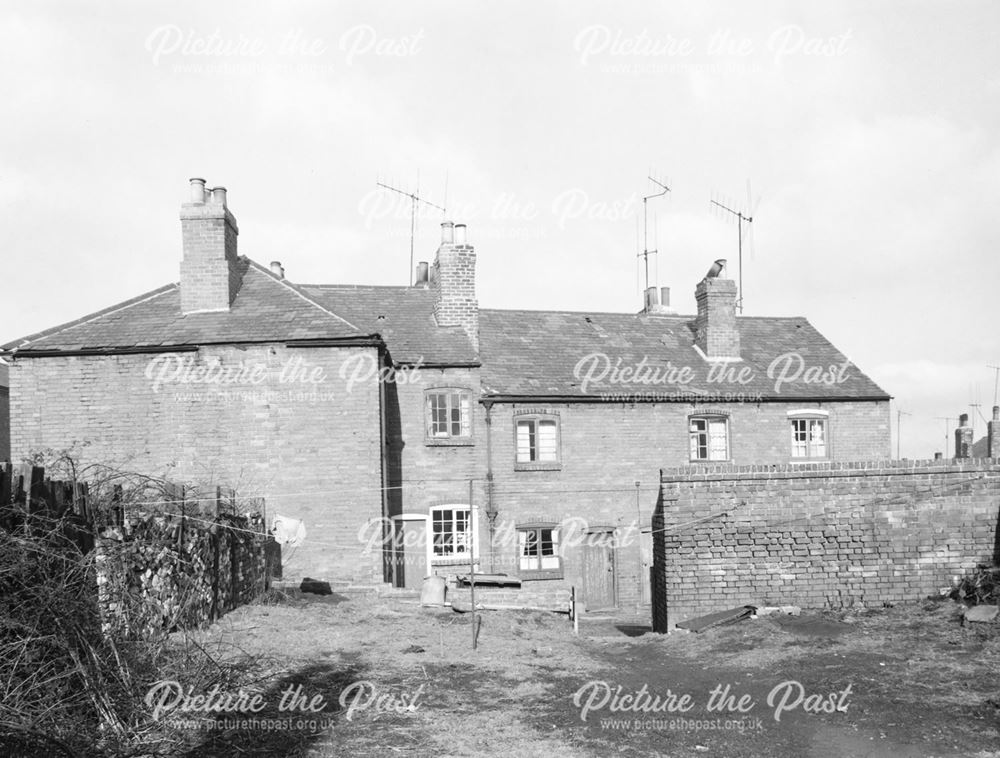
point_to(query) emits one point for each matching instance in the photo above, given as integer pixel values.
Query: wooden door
(599, 579)
(410, 552)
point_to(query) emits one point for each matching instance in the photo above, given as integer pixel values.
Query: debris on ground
(982, 614)
(769, 610)
(315, 586)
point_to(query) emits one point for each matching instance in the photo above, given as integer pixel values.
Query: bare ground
(921, 683)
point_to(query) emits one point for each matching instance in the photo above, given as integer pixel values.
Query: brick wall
(4, 424)
(313, 451)
(821, 535)
(607, 447)
(422, 472)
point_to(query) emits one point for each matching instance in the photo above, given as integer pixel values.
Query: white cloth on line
(288, 531)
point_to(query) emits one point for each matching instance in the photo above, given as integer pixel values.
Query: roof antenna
(996, 383)
(414, 199)
(646, 252)
(741, 217)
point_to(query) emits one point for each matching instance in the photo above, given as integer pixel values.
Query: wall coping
(828, 469)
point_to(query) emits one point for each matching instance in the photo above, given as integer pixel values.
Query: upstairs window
(709, 438)
(809, 439)
(449, 415)
(537, 440)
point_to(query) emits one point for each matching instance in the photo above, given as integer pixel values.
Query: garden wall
(819, 535)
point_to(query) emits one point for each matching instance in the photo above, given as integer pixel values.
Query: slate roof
(404, 317)
(523, 353)
(266, 309)
(536, 353)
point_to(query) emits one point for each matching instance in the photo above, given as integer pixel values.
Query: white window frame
(536, 420)
(435, 559)
(708, 419)
(547, 566)
(810, 416)
(452, 394)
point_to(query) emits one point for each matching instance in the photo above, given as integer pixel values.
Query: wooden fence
(165, 559)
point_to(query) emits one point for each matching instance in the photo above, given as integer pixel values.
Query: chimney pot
(996, 412)
(460, 234)
(197, 190)
(652, 299)
(665, 297)
(277, 269)
(447, 233)
(963, 437)
(422, 274)
(938, 456)
(219, 196)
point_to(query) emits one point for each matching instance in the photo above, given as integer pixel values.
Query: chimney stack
(963, 437)
(277, 269)
(209, 270)
(716, 334)
(993, 434)
(453, 278)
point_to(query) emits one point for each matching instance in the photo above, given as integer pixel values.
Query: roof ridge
(685, 316)
(51, 331)
(298, 291)
(364, 286)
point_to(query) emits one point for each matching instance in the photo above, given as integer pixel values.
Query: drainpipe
(388, 538)
(491, 512)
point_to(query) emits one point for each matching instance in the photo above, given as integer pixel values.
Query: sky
(861, 137)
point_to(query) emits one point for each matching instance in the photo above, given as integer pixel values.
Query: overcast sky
(868, 132)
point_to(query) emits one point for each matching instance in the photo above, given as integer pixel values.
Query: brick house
(533, 439)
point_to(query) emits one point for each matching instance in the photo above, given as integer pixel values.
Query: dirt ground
(398, 679)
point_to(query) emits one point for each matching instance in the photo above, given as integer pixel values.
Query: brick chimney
(963, 437)
(209, 272)
(715, 326)
(993, 434)
(453, 279)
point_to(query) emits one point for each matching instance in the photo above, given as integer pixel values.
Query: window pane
(538, 549)
(525, 560)
(699, 439)
(443, 533)
(466, 422)
(461, 531)
(808, 438)
(525, 441)
(817, 438)
(439, 414)
(547, 441)
(718, 441)
(455, 414)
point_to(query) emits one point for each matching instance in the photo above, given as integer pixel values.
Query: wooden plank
(701, 623)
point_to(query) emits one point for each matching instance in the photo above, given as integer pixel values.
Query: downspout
(491, 513)
(388, 538)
